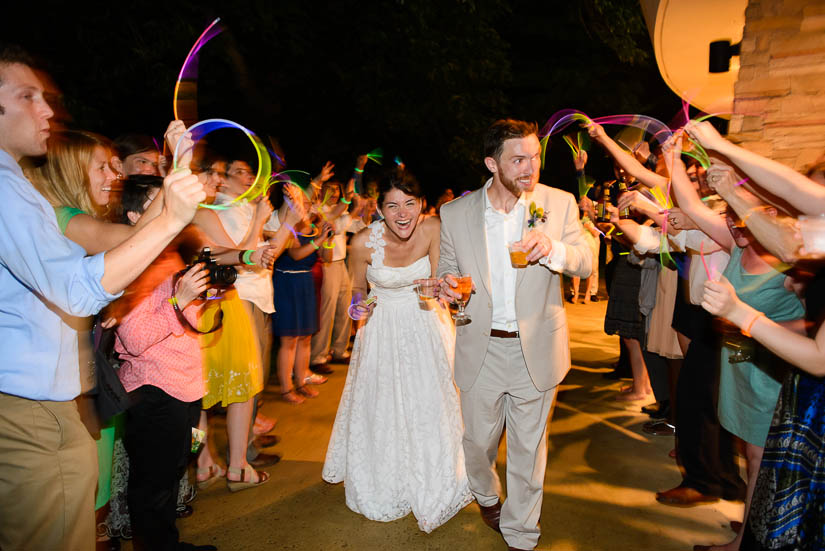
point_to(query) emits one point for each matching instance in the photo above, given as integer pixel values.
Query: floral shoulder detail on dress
(377, 243)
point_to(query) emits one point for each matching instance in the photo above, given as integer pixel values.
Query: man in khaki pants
(514, 351)
(48, 461)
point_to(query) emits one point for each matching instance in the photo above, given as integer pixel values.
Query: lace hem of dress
(376, 243)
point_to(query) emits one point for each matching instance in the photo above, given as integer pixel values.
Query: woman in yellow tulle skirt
(231, 359)
(233, 376)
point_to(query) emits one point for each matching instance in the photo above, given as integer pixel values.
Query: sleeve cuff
(649, 240)
(95, 266)
(555, 260)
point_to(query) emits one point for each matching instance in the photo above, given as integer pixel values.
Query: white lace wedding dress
(396, 441)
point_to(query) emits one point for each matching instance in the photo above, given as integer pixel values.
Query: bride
(396, 441)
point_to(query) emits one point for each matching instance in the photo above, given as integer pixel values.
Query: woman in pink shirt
(162, 371)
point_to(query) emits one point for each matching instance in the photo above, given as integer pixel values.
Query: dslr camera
(219, 275)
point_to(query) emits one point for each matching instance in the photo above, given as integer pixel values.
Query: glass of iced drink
(518, 255)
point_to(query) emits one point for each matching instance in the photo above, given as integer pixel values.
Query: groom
(515, 350)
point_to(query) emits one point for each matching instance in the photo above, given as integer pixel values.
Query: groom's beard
(511, 185)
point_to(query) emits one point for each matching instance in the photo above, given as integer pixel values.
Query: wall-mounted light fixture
(720, 53)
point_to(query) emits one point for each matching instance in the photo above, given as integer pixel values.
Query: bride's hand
(361, 307)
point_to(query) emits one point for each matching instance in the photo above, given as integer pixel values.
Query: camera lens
(223, 275)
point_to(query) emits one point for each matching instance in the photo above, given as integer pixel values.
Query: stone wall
(779, 99)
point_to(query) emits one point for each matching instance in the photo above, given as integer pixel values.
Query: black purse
(110, 396)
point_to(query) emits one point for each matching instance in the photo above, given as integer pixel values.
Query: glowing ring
(261, 183)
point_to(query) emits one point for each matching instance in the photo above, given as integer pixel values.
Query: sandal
(243, 483)
(213, 473)
(306, 390)
(292, 397)
(315, 379)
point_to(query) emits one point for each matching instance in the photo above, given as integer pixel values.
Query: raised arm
(782, 181)
(182, 194)
(777, 235)
(625, 160)
(805, 353)
(705, 219)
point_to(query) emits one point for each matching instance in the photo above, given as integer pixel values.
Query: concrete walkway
(599, 489)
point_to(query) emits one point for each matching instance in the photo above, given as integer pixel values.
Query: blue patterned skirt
(787, 508)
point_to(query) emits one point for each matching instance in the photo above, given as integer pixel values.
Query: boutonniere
(537, 215)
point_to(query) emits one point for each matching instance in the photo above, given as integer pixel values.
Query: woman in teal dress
(750, 378)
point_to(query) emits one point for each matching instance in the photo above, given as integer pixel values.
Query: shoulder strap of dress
(376, 243)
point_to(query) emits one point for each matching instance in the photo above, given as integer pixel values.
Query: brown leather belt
(503, 334)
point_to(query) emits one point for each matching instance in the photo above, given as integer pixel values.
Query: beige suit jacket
(542, 322)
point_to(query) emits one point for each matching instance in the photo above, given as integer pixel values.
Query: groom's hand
(537, 244)
(446, 288)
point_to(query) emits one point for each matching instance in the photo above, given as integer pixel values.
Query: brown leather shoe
(265, 460)
(491, 515)
(266, 441)
(659, 428)
(684, 496)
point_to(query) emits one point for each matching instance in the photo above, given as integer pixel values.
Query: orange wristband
(747, 330)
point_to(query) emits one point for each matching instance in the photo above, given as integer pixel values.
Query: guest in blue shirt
(48, 463)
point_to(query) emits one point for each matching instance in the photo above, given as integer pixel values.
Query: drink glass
(518, 256)
(465, 287)
(812, 229)
(427, 288)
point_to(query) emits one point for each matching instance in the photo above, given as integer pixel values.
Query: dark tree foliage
(331, 80)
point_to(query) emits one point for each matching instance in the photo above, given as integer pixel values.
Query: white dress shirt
(254, 284)
(502, 229)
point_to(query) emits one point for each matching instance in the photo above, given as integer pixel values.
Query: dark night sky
(421, 79)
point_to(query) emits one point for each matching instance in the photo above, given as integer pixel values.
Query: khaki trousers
(334, 323)
(48, 473)
(504, 395)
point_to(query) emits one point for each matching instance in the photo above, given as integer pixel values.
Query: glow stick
(585, 183)
(376, 155)
(544, 141)
(189, 70)
(300, 178)
(198, 130)
(704, 262)
(569, 142)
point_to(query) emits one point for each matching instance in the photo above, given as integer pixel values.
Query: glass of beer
(465, 287)
(518, 255)
(427, 289)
